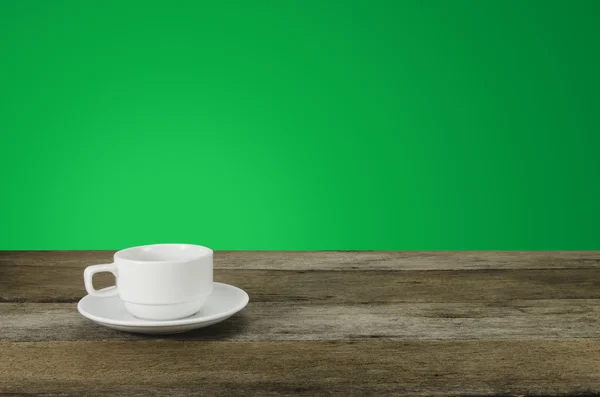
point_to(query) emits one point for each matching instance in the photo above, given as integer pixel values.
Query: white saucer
(223, 302)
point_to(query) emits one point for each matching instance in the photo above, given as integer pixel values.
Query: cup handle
(89, 272)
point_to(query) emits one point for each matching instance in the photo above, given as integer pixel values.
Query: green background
(300, 124)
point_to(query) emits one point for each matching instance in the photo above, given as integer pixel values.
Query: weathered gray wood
(279, 321)
(321, 323)
(339, 260)
(65, 284)
(359, 368)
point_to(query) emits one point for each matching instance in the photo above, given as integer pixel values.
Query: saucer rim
(139, 322)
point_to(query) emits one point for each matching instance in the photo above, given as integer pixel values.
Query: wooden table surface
(320, 324)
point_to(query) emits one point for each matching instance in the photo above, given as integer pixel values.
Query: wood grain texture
(339, 260)
(320, 323)
(345, 368)
(279, 321)
(65, 284)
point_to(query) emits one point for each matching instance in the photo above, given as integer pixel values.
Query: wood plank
(64, 284)
(355, 368)
(339, 260)
(279, 321)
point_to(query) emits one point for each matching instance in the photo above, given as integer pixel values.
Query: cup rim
(201, 253)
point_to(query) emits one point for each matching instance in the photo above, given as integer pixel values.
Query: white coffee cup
(160, 281)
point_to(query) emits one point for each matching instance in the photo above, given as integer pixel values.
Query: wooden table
(320, 324)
